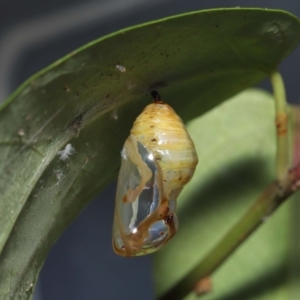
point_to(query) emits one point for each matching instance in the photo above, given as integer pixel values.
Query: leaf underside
(196, 61)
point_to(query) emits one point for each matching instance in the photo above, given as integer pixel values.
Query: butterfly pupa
(157, 160)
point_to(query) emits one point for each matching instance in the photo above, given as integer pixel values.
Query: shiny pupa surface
(157, 160)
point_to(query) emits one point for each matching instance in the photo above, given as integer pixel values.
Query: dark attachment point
(155, 96)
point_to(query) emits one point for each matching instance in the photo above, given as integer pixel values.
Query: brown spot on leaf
(67, 88)
(203, 286)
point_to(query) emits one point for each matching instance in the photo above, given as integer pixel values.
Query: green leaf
(196, 60)
(236, 147)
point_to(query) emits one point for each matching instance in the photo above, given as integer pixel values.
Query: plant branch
(274, 194)
(281, 121)
(268, 201)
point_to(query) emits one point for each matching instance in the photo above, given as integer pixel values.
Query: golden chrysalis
(158, 159)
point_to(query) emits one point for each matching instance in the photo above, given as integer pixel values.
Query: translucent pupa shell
(158, 159)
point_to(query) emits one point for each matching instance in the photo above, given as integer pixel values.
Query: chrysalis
(158, 159)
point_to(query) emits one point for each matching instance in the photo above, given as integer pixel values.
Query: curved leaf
(89, 100)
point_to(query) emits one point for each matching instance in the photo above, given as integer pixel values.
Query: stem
(275, 194)
(281, 121)
(268, 201)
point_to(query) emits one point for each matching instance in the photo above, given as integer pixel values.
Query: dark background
(33, 34)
